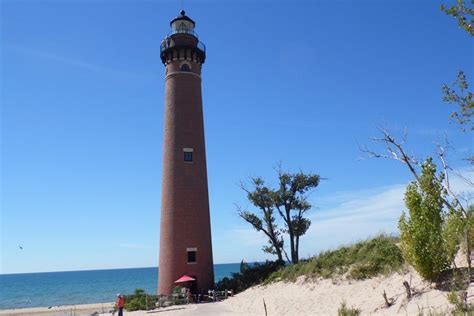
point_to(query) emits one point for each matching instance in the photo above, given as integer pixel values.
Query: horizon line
(103, 269)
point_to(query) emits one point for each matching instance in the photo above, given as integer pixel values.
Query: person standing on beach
(119, 303)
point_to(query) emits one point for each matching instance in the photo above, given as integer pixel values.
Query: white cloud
(349, 216)
(358, 215)
(355, 215)
(364, 203)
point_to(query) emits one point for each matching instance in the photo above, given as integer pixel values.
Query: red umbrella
(184, 278)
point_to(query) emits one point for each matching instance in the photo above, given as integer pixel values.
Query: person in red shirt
(119, 303)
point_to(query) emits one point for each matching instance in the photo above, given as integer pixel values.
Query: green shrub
(457, 295)
(345, 311)
(421, 234)
(140, 300)
(455, 298)
(453, 233)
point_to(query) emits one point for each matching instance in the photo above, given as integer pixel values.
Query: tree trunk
(275, 242)
(278, 251)
(292, 247)
(292, 236)
(297, 247)
(286, 255)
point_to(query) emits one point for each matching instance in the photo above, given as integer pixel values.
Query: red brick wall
(185, 221)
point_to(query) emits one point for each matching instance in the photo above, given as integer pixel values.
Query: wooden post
(387, 303)
(407, 288)
(265, 307)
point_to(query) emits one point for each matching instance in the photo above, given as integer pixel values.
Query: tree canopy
(289, 201)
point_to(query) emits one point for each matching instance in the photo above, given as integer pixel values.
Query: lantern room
(182, 24)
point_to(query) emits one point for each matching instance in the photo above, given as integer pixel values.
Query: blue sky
(303, 83)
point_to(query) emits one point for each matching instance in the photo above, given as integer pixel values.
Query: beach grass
(347, 311)
(365, 259)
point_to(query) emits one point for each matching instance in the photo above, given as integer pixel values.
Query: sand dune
(324, 297)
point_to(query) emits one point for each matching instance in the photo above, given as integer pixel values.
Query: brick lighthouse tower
(185, 231)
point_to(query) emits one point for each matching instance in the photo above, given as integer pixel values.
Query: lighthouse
(185, 228)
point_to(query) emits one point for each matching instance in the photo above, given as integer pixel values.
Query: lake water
(82, 287)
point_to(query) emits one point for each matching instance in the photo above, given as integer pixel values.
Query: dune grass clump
(362, 260)
(346, 311)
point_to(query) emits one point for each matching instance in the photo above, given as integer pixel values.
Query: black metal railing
(201, 46)
(168, 43)
(183, 31)
(163, 46)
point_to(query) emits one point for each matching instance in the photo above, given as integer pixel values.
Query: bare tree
(395, 150)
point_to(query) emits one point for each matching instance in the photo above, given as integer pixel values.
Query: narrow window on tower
(185, 67)
(191, 255)
(188, 154)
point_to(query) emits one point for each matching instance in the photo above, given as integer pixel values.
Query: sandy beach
(80, 309)
(303, 297)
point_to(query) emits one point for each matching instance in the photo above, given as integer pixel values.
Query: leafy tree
(459, 94)
(421, 234)
(262, 198)
(290, 200)
(463, 13)
(463, 98)
(458, 223)
(292, 205)
(470, 222)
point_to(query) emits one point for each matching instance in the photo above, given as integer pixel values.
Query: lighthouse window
(185, 67)
(191, 255)
(188, 154)
(182, 27)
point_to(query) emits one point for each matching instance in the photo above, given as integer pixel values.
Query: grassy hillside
(362, 260)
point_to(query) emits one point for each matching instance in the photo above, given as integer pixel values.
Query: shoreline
(204, 309)
(305, 296)
(100, 308)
